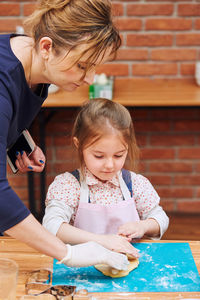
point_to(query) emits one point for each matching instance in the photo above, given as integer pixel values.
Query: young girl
(101, 201)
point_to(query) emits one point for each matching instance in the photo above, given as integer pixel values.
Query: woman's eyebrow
(90, 64)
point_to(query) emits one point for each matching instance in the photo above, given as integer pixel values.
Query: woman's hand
(133, 230)
(91, 253)
(35, 162)
(118, 243)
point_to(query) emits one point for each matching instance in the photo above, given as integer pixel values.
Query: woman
(66, 41)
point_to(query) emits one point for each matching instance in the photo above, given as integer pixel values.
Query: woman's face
(61, 70)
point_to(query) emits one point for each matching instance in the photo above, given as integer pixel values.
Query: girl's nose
(109, 163)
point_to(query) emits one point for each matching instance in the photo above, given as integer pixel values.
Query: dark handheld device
(23, 143)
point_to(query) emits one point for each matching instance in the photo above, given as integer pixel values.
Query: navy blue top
(18, 107)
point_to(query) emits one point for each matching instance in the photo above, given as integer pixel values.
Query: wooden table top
(29, 259)
(136, 92)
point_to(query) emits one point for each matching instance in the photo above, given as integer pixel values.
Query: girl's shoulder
(67, 179)
(64, 188)
(142, 185)
(68, 175)
(138, 178)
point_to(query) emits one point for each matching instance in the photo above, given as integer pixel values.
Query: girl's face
(105, 157)
(60, 69)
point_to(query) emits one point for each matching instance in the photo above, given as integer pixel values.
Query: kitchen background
(161, 40)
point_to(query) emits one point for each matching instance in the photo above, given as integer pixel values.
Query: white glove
(92, 253)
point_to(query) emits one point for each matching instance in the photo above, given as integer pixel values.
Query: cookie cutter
(40, 282)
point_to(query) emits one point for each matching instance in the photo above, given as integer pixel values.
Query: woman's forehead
(83, 53)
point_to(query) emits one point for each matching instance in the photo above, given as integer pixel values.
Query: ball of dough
(108, 271)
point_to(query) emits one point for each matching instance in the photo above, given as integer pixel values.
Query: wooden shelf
(137, 92)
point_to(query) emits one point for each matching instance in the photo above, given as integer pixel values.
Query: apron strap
(126, 175)
(84, 188)
(124, 188)
(84, 193)
(76, 174)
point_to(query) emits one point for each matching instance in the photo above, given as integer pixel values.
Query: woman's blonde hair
(70, 23)
(100, 116)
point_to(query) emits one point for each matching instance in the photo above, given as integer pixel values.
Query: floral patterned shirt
(64, 194)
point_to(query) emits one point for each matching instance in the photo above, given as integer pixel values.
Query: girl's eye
(98, 156)
(81, 66)
(118, 156)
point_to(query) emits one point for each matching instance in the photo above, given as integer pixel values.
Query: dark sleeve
(12, 209)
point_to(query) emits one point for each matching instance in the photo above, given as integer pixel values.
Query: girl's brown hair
(70, 23)
(96, 118)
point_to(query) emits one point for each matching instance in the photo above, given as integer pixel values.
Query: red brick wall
(160, 39)
(169, 139)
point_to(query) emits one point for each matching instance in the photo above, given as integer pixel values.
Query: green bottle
(91, 91)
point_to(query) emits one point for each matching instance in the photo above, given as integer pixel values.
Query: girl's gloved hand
(92, 253)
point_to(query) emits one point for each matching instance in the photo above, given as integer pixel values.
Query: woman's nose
(89, 77)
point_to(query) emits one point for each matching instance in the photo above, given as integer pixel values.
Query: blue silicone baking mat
(164, 267)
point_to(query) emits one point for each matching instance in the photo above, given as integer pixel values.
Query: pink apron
(101, 219)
